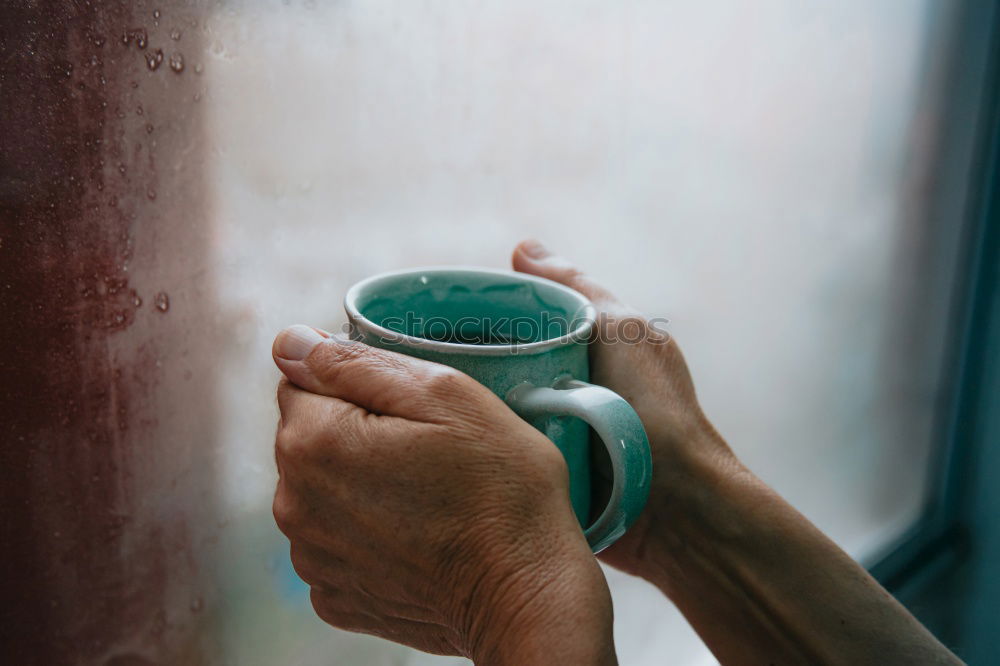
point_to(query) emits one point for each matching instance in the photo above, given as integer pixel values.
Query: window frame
(940, 538)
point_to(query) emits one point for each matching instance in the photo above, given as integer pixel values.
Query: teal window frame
(941, 538)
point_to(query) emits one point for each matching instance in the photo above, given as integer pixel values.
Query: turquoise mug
(525, 338)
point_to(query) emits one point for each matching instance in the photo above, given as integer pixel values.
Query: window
(759, 173)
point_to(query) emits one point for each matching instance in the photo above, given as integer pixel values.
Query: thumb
(381, 381)
(532, 257)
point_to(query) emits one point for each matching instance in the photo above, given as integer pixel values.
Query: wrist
(552, 607)
(565, 619)
(688, 508)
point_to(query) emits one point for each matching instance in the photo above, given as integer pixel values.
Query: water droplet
(94, 61)
(151, 193)
(161, 301)
(156, 13)
(121, 168)
(175, 34)
(154, 58)
(138, 110)
(136, 301)
(149, 128)
(197, 97)
(177, 62)
(119, 113)
(198, 69)
(104, 81)
(99, 40)
(134, 84)
(197, 604)
(138, 35)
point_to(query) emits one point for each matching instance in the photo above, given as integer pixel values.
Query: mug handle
(619, 428)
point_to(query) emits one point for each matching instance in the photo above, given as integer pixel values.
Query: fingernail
(296, 342)
(534, 249)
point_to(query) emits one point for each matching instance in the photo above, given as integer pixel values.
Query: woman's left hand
(421, 509)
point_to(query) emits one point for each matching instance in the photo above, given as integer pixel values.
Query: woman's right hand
(645, 366)
(756, 580)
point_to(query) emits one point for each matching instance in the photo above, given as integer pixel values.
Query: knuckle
(551, 463)
(333, 359)
(577, 279)
(282, 391)
(325, 605)
(575, 276)
(625, 327)
(632, 327)
(448, 382)
(543, 469)
(288, 446)
(321, 603)
(300, 441)
(301, 563)
(451, 396)
(286, 514)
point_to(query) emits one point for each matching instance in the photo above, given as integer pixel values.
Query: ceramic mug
(525, 338)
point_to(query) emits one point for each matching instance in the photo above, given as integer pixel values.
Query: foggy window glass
(753, 172)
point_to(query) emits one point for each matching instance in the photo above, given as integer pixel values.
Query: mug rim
(586, 313)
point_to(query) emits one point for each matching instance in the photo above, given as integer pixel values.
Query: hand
(756, 580)
(421, 509)
(652, 376)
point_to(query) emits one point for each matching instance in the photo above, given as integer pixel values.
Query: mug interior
(470, 307)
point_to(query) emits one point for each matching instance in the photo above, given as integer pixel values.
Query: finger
(306, 416)
(306, 409)
(315, 566)
(381, 381)
(345, 610)
(532, 257)
(346, 577)
(314, 449)
(322, 516)
(286, 397)
(325, 444)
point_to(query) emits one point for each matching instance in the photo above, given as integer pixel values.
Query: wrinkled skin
(652, 376)
(421, 509)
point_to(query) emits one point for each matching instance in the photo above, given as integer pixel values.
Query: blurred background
(801, 188)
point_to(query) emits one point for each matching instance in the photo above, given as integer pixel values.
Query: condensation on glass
(179, 181)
